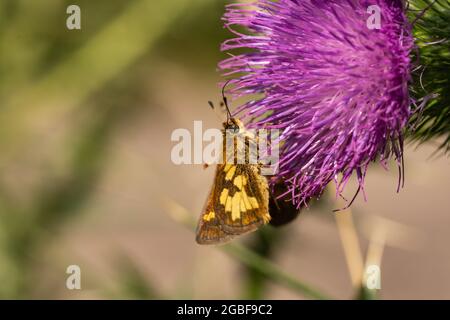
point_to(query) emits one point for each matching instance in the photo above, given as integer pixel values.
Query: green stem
(248, 257)
(272, 271)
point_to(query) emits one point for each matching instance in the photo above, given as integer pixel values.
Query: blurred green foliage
(93, 77)
(432, 30)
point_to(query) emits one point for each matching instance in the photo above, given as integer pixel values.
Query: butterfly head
(234, 125)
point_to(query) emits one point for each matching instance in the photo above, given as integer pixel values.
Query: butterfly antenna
(225, 100)
(219, 116)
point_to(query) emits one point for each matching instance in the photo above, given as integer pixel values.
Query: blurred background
(86, 177)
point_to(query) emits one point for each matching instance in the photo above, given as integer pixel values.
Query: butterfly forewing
(209, 229)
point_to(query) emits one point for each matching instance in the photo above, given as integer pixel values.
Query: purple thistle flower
(337, 90)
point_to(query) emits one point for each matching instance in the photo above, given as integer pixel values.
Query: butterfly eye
(234, 128)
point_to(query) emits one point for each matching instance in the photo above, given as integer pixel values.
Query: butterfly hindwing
(243, 200)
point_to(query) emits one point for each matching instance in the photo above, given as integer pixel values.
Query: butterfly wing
(209, 229)
(238, 204)
(243, 200)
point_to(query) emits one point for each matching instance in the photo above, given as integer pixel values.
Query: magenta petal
(337, 90)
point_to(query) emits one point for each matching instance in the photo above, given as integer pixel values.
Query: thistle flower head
(337, 89)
